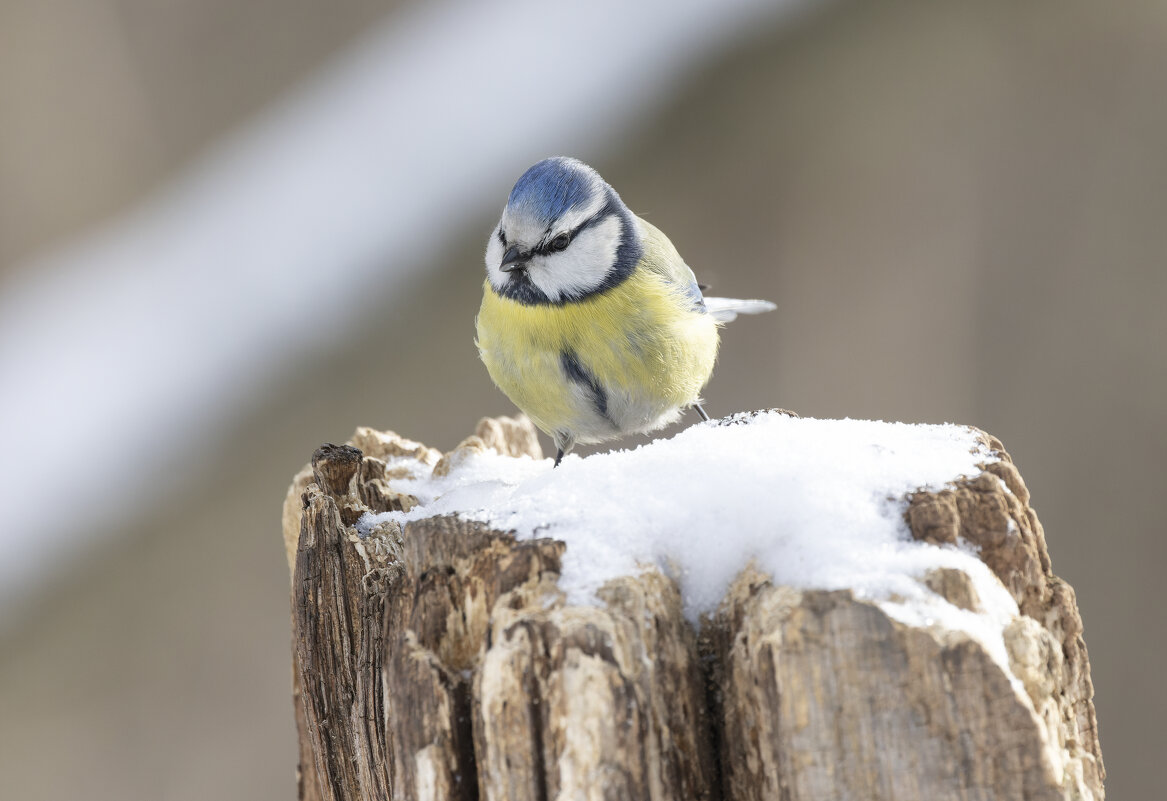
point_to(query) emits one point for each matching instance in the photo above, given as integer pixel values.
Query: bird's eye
(560, 242)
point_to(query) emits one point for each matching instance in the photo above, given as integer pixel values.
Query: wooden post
(441, 661)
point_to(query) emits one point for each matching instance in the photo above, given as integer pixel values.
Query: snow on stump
(760, 607)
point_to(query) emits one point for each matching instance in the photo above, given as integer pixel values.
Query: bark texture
(441, 661)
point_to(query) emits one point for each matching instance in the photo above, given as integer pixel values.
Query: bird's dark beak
(514, 259)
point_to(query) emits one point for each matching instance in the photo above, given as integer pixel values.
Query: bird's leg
(564, 442)
(700, 411)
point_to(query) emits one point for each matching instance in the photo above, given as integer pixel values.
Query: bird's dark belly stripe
(577, 373)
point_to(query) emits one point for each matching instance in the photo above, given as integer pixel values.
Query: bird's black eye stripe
(557, 243)
(502, 237)
(560, 242)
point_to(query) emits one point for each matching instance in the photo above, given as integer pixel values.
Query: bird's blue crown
(554, 186)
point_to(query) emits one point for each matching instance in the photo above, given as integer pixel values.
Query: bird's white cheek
(581, 268)
(494, 259)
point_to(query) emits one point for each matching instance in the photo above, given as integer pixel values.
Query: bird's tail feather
(726, 309)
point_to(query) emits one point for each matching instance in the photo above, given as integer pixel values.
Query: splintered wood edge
(1000, 478)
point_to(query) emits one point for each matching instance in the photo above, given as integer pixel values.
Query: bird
(591, 322)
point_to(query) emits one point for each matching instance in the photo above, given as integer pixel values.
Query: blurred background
(231, 230)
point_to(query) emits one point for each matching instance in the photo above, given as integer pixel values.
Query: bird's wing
(662, 258)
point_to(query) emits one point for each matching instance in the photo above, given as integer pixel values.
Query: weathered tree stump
(441, 661)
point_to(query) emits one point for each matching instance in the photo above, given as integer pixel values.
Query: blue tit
(591, 322)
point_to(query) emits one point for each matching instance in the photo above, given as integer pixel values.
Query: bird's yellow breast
(642, 341)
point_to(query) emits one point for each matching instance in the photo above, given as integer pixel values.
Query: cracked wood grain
(440, 660)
